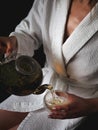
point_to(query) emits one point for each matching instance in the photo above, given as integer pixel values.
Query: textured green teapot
(21, 76)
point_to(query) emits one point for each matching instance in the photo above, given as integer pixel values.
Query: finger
(9, 49)
(61, 107)
(58, 115)
(2, 47)
(62, 94)
(63, 115)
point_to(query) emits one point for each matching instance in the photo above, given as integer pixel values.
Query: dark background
(11, 13)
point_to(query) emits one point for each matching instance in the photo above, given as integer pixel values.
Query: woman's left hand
(75, 107)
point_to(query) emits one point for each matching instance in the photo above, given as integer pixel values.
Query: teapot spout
(42, 88)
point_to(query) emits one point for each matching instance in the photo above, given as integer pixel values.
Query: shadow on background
(90, 123)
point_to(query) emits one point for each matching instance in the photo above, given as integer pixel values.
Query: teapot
(20, 75)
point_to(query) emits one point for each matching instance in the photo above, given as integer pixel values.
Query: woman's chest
(76, 13)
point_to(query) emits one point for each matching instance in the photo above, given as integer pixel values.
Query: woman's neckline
(76, 13)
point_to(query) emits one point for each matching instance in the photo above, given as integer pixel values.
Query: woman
(68, 30)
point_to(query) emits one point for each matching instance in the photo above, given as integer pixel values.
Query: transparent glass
(51, 99)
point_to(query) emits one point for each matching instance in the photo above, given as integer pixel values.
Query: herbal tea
(51, 99)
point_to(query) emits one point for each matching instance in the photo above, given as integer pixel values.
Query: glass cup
(52, 99)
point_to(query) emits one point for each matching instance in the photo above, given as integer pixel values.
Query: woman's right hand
(8, 45)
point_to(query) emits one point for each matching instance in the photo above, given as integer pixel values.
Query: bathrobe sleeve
(28, 32)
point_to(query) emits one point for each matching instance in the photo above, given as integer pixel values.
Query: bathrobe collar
(79, 37)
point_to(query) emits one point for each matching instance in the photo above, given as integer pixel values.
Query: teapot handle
(1, 58)
(3, 94)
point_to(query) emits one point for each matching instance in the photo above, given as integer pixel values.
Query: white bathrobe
(71, 66)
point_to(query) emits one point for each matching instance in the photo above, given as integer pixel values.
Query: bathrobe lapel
(57, 32)
(85, 30)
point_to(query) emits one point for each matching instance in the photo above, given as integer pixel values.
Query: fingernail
(54, 108)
